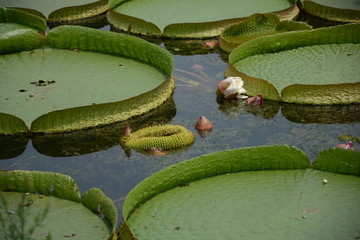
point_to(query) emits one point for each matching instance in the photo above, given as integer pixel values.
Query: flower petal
(232, 87)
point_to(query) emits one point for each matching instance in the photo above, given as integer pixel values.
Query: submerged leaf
(349, 138)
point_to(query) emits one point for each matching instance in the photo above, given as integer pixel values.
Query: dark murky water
(94, 157)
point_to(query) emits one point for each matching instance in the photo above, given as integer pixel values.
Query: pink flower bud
(348, 145)
(203, 124)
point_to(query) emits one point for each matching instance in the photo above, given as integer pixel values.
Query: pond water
(94, 158)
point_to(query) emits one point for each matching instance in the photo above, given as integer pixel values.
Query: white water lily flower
(232, 87)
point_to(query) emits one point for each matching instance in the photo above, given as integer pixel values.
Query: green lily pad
(267, 192)
(339, 11)
(12, 19)
(43, 79)
(338, 160)
(37, 205)
(309, 67)
(255, 26)
(81, 142)
(166, 136)
(65, 10)
(189, 19)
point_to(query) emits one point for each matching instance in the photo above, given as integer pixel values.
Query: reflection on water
(83, 141)
(297, 113)
(322, 114)
(233, 107)
(12, 146)
(97, 139)
(95, 159)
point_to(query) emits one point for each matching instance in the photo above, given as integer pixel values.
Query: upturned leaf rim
(337, 93)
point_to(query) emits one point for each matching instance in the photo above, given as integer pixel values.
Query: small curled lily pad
(189, 19)
(55, 11)
(308, 67)
(255, 26)
(248, 193)
(46, 204)
(339, 11)
(165, 137)
(76, 78)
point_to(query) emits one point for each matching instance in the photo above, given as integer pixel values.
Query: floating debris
(42, 82)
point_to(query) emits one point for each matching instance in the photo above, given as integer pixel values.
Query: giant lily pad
(12, 19)
(66, 10)
(37, 205)
(255, 26)
(77, 77)
(310, 67)
(339, 11)
(189, 19)
(267, 192)
(84, 141)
